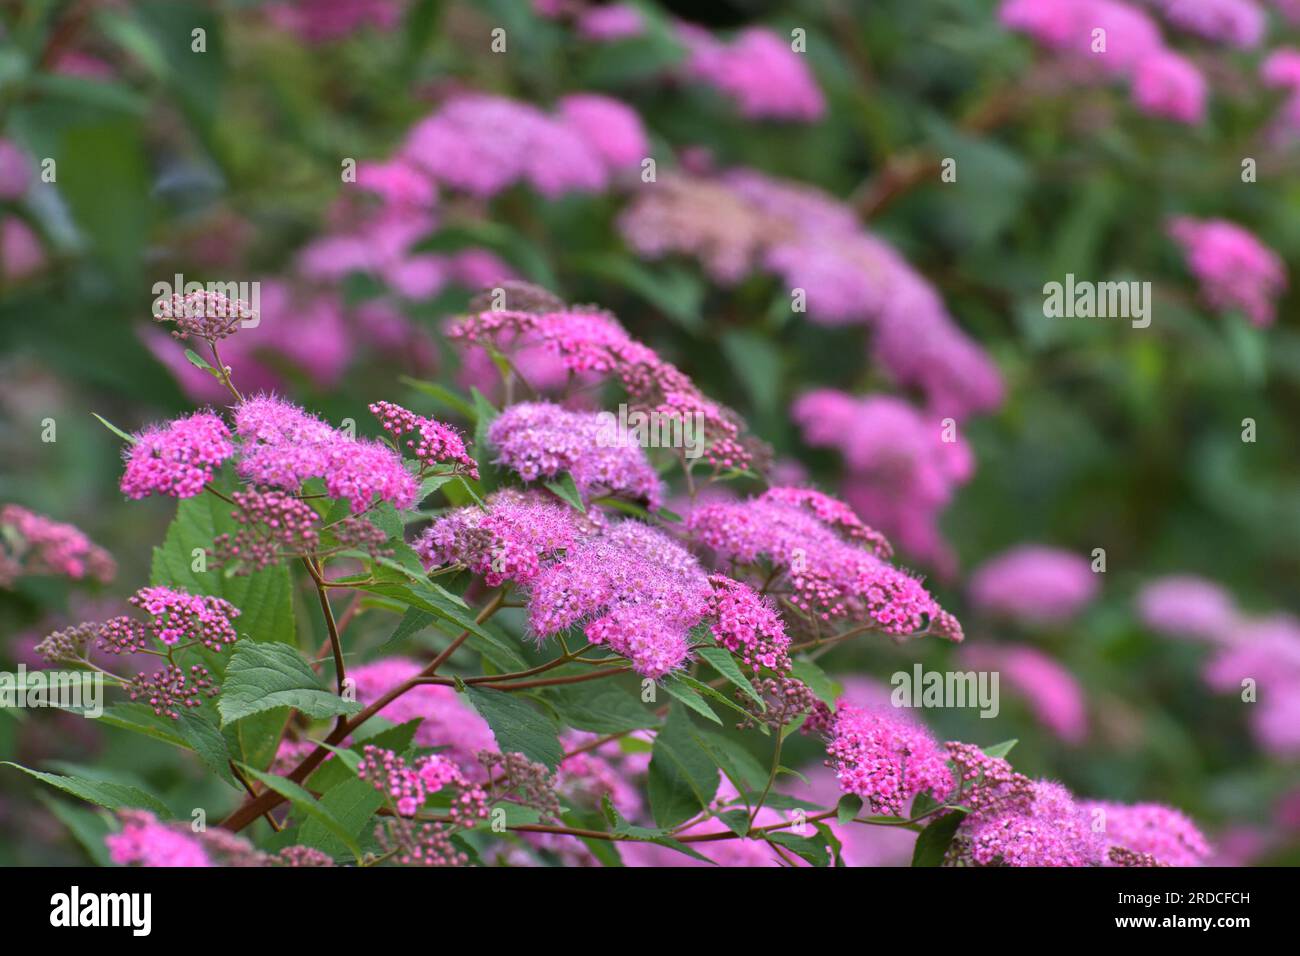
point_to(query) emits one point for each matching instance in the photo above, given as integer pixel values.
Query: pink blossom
(143, 841)
(1168, 85)
(1235, 269)
(21, 253)
(32, 543)
(758, 70)
(612, 128)
(177, 458)
(609, 22)
(1151, 828)
(1239, 23)
(324, 21)
(1049, 830)
(1281, 68)
(1052, 692)
(1185, 606)
(1034, 584)
(15, 171)
(887, 758)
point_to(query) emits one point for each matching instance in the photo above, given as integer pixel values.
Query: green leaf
(198, 361)
(849, 807)
(263, 676)
(203, 737)
(812, 849)
(932, 843)
(683, 778)
(720, 660)
(309, 805)
(442, 394)
(675, 292)
(816, 679)
(566, 489)
(758, 364)
(351, 803)
(600, 710)
(677, 689)
(104, 793)
(1002, 749)
(517, 726)
(129, 439)
(412, 622)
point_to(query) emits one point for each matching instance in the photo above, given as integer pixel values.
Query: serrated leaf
(933, 842)
(517, 726)
(104, 793)
(264, 676)
(720, 660)
(566, 489)
(203, 737)
(412, 622)
(352, 803)
(683, 778)
(691, 698)
(309, 805)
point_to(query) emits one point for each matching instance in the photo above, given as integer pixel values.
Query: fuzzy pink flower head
(407, 786)
(1164, 833)
(1069, 27)
(1053, 694)
(431, 443)
(446, 721)
(368, 472)
(1052, 830)
(508, 541)
(638, 591)
(1169, 85)
(748, 625)
(1185, 606)
(21, 253)
(324, 21)
(178, 458)
(1239, 23)
(887, 758)
(1034, 584)
(612, 128)
(538, 440)
(177, 616)
(273, 523)
(32, 543)
(397, 183)
(143, 841)
(609, 22)
(834, 565)
(1235, 270)
(1281, 68)
(758, 70)
(482, 145)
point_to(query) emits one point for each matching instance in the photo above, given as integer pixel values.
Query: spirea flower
(171, 688)
(324, 21)
(408, 785)
(177, 458)
(210, 316)
(612, 128)
(758, 70)
(67, 644)
(539, 440)
(833, 565)
(786, 699)
(274, 523)
(1266, 652)
(507, 541)
(446, 721)
(886, 758)
(15, 171)
(34, 544)
(527, 782)
(1235, 270)
(144, 841)
(901, 470)
(1163, 833)
(1186, 606)
(1051, 830)
(592, 342)
(430, 441)
(748, 625)
(1238, 23)
(1034, 584)
(176, 616)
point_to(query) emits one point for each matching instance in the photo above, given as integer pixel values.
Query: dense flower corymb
(1235, 269)
(1034, 584)
(886, 758)
(178, 458)
(1163, 833)
(32, 543)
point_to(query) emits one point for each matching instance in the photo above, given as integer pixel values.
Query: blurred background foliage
(224, 164)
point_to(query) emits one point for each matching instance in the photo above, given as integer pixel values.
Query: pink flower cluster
(206, 315)
(758, 70)
(282, 446)
(591, 341)
(1266, 652)
(274, 523)
(433, 443)
(171, 688)
(542, 440)
(1166, 835)
(174, 616)
(1034, 584)
(144, 840)
(886, 758)
(900, 471)
(1106, 39)
(1050, 829)
(743, 221)
(32, 543)
(21, 253)
(446, 721)
(1186, 606)
(177, 458)
(324, 21)
(833, 566)
(1239, 23)
(482, 144)
(1235, 270)
(748, 625)
(407, 786)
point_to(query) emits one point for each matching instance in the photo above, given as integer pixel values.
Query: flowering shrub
(602, 436)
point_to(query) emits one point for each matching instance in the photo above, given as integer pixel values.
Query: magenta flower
(1049, 829)
(1185, 606)
(1166, 835)
(1239, 23)
(539, 440)
(758, 70)
(1052, 692)
(178, 458)
(612, 128)
(1034, 584)
(143, 841)
(32, 543)
(887, 758)
(1236, 271)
